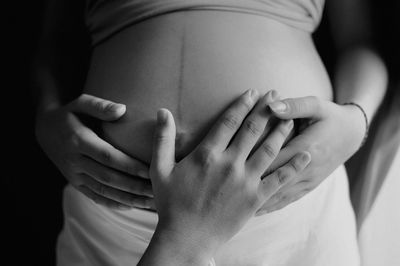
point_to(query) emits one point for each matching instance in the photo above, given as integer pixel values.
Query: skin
(87, 161)
(103, 173)
(361, 77)
(323, 118)
(218, 183)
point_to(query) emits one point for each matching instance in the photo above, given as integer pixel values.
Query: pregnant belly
(195, 63)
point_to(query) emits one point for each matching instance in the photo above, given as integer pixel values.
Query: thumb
(163, 157)
(303, 107)
(98, 107)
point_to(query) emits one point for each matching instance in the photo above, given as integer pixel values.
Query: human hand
(331, 133)
(209, 195)
(93, 166)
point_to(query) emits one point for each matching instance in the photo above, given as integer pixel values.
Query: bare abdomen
(195, 63)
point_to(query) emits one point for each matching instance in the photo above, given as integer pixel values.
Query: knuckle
(282, 175)
(252, 127)
(230, 121)
(297, 164)
(161, 137)
(105, 156)
(231, 169)
(268, 150)
(99, 105)
(205, 156)
(77, 137)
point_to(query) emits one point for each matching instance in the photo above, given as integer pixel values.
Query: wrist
(47, 98)
(186, 246)
(46, 105)
(356, 108)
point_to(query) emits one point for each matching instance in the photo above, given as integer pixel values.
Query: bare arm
(361, 75)
(90, 164)
(60, 61)
(206, 198)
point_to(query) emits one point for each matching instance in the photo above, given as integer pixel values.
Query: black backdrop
(31, 185)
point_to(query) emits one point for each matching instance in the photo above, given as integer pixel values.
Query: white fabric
(379, 234)
(318, 229)
(375, 192)
(104, 18)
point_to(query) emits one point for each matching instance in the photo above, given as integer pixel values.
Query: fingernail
(289, 124)
(273, 95)
(161, 116)
(279, 107)
(116, 108)
(306, 158)
(253, 94)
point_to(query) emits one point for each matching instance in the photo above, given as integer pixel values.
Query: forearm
(44, 84)
(361, 77)
(58, 67)
(168, 248)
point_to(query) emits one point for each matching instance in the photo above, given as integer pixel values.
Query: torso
(195, 63)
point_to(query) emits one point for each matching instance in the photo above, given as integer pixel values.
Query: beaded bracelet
(366, 121)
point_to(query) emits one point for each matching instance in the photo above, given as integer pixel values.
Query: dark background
(31, 185)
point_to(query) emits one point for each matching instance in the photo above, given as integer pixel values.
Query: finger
(265, 154)
(306, 140)
(94, 147)
(163, 155)
(226, 126)
(283, 198)
(102, 200)
(115, 179)
(292, 108)
(253, 127)
(272, 183)
(281, 204)
(97, 107)
(116, 195)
